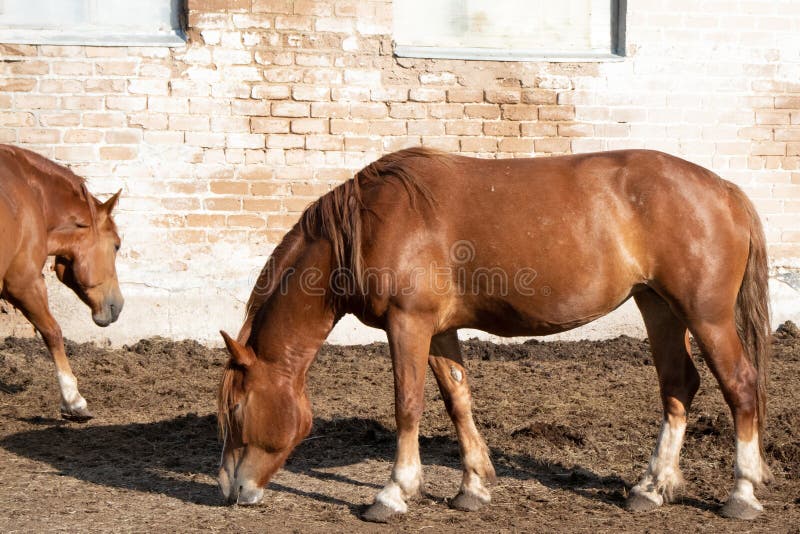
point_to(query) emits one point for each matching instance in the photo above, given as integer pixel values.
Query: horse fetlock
(408, 480)
(392, 497)
(487, 472)
(750, 464)
(473, 495)
(669, 482)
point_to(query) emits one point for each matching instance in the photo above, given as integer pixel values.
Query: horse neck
(59, 199)
(298, 317)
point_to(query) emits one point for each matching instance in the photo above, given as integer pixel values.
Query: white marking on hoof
(472, 485)
(743, 491)
(71, 398)
(456, 374)
(392, 497)
(649, 491)
(406, 482)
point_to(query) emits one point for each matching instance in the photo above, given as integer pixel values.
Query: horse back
(580, 232)
(21, 220)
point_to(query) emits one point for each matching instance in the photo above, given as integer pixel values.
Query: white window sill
(91, 38)
(497, 54)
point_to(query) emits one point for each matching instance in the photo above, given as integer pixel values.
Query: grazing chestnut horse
(421, 243)
(46, 210)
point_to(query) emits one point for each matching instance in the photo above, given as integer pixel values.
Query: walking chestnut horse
(46, 210)
(421, 243)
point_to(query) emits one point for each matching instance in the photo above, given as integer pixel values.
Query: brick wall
(219, 145)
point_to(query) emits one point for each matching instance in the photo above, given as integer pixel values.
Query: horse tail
(752, 311)
(338, 216)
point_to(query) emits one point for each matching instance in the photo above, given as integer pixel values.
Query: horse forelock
(225, 398)
(91, 204)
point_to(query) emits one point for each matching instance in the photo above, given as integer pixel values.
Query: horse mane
(337, 217)
(51, 171)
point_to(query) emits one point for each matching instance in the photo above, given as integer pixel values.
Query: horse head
(85, 259)
(263, 415)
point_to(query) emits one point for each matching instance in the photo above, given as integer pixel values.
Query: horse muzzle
(109, 311)
(235, 491)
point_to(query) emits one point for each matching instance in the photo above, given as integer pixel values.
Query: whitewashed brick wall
(219, 145)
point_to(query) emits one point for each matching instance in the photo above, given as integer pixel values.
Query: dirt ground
(570, 425)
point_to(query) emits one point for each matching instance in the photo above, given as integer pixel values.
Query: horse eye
(81, 225)
(116, 248)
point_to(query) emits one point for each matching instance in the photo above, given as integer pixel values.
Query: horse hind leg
(738, 380)
(448, 367)
(678, 381)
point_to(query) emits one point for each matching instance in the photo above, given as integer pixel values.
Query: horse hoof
(378, 513)
(636, 502)
(466, 502)
(740, 509)
(77, 415)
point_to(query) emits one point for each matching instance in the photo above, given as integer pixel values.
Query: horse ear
(242, 355)
(109, 205)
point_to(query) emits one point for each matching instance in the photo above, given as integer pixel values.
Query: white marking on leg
(748, 461)
(749, 470)
(663, 473)
(70, 396)
(406, 481)
(456, 374)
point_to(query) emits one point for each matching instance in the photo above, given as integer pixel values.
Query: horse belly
(547, 289)
(543, 313)
(9, 236)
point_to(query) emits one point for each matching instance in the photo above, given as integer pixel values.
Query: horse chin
(244, 492)
(102, 319)
(250, 496)
(107, 314)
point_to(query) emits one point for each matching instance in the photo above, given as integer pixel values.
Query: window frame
(617, 52)
(102, 36)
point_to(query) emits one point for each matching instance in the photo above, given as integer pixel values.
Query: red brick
(482, 111)
(556, 113)
(503, 96)
(465, 95)
(116, 153)
(478, 144)
(552, 145)
(501, 128)
(290, 109)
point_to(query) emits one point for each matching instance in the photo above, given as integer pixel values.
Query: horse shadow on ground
(173, 456)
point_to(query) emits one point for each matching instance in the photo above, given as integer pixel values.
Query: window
(510, 30)
(92, 22)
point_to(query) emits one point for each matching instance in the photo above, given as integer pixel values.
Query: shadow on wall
(167, 456)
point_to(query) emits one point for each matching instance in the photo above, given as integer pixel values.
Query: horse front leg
(409, 341)
(448, 368)
(30, 297)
